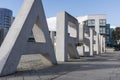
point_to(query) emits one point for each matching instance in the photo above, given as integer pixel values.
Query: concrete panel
(88, 42)
(91, 42)
(81, 47)
(30, 18)
(96, 45)
(86, 37)
(67, 37)
(102, 44)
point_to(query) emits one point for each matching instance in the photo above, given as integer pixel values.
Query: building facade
(97, 22)
(108, 34)
(6, 18)
(112, 41)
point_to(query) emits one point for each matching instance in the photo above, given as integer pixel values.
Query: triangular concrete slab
(30, 17)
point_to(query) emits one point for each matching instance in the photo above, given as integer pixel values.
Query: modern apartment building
(107, 34)
(6, 18)
(112, 41)
(97, 22)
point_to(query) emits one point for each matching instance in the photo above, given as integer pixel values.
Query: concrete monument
(67, 37)
(86, 37)
(30, 18)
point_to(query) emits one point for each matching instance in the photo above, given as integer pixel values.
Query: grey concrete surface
(101, 67)
(66, 42)
(31, 17)
(86, 37)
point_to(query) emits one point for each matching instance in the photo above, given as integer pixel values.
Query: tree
(116, 36)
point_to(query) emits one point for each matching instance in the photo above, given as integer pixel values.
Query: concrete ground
(101, 67)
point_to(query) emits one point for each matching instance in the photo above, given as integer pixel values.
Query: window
(107, 38)
(102, 30)
(107, 31)
(91, 22)
(102, 22)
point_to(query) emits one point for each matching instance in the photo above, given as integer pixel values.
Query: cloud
(51, 23)
(112, 26)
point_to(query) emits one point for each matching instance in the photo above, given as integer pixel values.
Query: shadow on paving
(66, 67)
(99, 58)
(104, 59)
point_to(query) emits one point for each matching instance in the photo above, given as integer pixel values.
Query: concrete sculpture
(81, 48)
(91, 41)
(102, 44)
(101, 40)
(86, 37)
(96, 45)
(67, 37)
(30, 18)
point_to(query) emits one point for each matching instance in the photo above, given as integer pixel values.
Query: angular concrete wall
(86, 37)
(91, 42)
(30, 18)
(66, 39)
(102, 45)
(81, 48)
(96, 45)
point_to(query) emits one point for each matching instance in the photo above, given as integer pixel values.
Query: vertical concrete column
(52, 35)
(61, 45)
(80, 48)
(86, 41)
(91, 43)
(81, 32)
(101, 44)
(67, 37)
(104, 46)
(97, 36)
(97, 43)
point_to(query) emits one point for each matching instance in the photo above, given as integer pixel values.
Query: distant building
(6, 18)
(112, 41)
(95, 21)
(108, 35)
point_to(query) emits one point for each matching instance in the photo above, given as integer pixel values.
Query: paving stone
(31, 78)
(77, 70)
(3, 78)
(15, 78)
(48, 77)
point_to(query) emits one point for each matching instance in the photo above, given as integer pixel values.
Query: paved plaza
(100, 67)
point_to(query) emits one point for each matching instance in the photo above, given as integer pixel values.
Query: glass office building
(6, 16)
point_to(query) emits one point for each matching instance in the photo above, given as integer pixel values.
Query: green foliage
(116, 33)
(116, 36)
